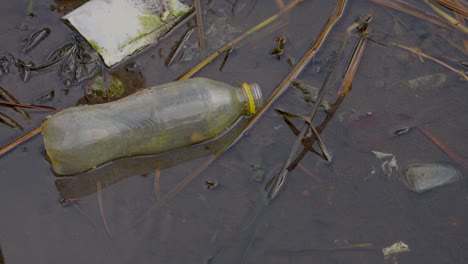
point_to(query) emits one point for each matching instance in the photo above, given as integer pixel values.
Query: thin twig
(37, 107)
(419, 53)
(201, 35)
(442, 146)
(464, 50)
(20, 140)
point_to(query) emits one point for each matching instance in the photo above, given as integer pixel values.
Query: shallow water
(347, 204)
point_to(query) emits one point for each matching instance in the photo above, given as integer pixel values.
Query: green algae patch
(98, 91)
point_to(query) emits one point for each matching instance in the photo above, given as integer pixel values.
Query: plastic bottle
(151, 121)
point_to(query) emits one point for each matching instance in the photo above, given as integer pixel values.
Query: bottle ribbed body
(151, 121)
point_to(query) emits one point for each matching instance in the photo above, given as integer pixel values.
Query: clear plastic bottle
(154, 120)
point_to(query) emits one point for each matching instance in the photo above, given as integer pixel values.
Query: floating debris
(310, 94)
(278, 51)
(423, 177)
(388, 165)
(49, 96)
(211, 185)
(395, 249)
(117, 29)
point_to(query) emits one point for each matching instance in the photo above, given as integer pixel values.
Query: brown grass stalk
(455, 6)
(420, 54)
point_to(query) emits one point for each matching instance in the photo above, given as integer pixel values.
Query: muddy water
(324, 205)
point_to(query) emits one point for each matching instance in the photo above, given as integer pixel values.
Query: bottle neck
(251, 97)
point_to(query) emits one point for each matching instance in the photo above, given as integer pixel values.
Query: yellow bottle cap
(250, 99)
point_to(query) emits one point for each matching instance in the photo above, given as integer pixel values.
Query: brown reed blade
(279, 179)
(458, 7)
(352, 67)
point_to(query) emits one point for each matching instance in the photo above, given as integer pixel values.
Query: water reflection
(85, 184)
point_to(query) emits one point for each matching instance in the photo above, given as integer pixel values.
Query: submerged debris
(36, 38)
(310, 94)
(423, 177)
(389, 164)
(428, 82)
(4, 65)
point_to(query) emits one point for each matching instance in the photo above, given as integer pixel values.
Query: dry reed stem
(420, 54)
(444, 148)
(449, 18)
(20, 140)
(454, 6)
(352, 69)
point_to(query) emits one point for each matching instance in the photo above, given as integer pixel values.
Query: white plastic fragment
(395, 249)
(117, 29)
